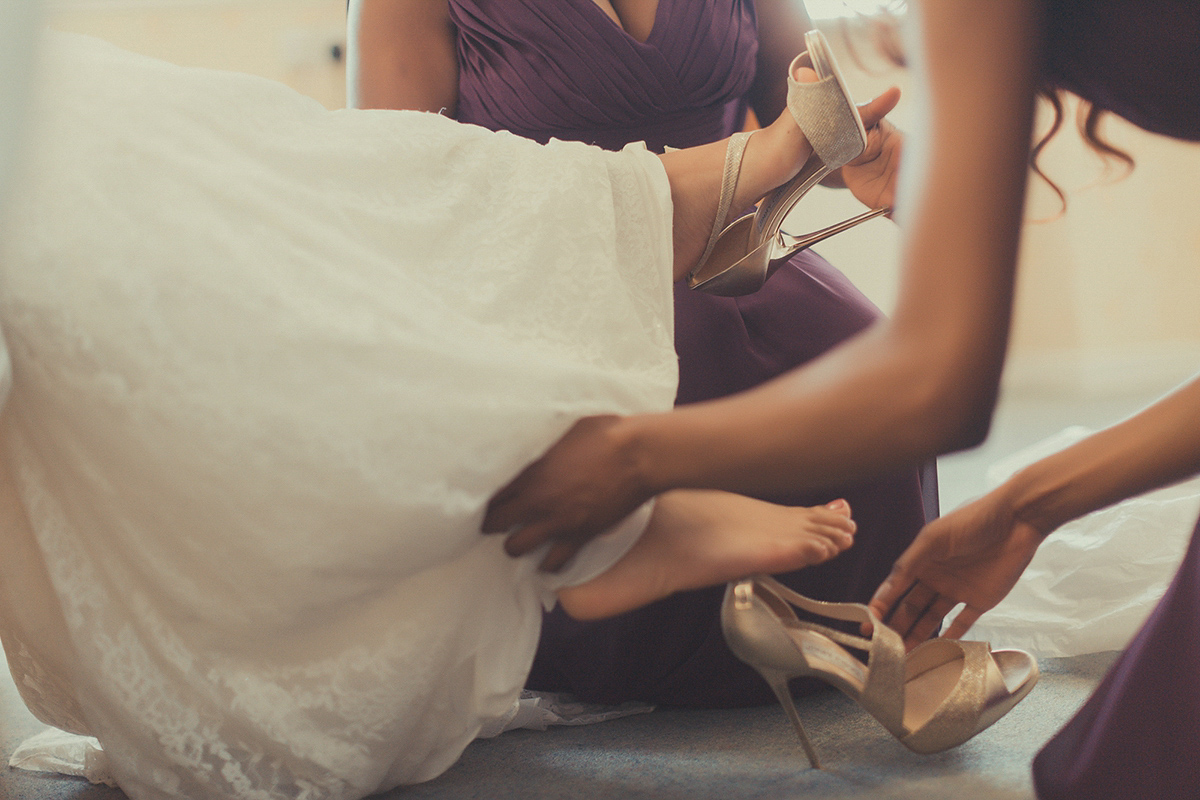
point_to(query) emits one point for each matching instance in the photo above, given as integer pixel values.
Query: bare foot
(704, 538)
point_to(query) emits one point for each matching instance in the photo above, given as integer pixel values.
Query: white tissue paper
(63, 753)
(1095, 580)
(540, 710)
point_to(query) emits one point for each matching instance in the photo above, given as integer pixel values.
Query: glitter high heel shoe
(739, 258)
(938, 696)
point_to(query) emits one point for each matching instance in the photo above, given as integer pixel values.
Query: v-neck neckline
(620, 28)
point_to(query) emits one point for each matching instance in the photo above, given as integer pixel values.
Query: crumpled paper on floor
(64, 753)
(1094, 581)
(540, 710)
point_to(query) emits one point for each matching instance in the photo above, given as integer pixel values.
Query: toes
(832, 527)
(825, 545)
(835, 515)
(839, 506)
(805, 75)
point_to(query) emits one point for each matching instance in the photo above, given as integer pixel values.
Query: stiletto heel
(778, 682)
(740, 259)
(789, 243)
(938, 696)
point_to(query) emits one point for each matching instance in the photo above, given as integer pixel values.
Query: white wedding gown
(268, 362)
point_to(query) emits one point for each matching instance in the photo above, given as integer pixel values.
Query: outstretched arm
(976, 554)
(922, 383)
(401, 54)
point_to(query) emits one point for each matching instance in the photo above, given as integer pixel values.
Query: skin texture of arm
(401, 54)
(919, 384)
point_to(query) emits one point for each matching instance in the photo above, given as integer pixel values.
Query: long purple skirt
(1138, 735)
(672, 652)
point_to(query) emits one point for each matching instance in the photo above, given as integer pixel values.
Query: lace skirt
(268, 364)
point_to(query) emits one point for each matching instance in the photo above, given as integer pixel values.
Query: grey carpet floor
(704, 755)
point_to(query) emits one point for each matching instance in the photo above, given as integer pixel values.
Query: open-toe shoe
(938, 696)
(740, 257)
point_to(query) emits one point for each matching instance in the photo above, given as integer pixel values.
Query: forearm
(880, 402)
(1157, 447)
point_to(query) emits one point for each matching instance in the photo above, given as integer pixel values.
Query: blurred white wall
(287, 40)
(19, 20)
(1108, 291)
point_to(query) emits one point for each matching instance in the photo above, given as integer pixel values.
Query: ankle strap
(729, 181)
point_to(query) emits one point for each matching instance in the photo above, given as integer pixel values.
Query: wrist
(636, 438)
(1036, 500)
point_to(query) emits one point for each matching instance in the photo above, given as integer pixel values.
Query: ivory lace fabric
(268, 363)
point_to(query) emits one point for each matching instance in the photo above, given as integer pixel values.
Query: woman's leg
(706, 538)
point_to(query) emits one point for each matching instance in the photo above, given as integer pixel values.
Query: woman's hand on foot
(872, 176)
(587, 482)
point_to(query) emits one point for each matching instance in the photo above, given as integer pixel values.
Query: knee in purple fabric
(1138, 735)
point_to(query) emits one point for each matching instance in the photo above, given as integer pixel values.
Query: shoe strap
(979, 686)
(734, 151)
(883, 691)
(847, 612)
(823, 109)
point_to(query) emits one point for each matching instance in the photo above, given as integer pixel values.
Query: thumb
(873, 111)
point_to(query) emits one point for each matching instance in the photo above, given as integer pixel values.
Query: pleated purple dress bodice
(564, 69)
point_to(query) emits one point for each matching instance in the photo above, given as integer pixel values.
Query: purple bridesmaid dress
(563, 69)
(1138, 736)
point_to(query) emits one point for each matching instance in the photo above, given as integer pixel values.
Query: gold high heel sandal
(938, 696)
(739, 258)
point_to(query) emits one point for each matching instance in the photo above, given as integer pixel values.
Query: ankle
(783, 150)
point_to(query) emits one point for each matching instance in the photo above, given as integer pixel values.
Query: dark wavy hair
(1087, 119)
(884, 35)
